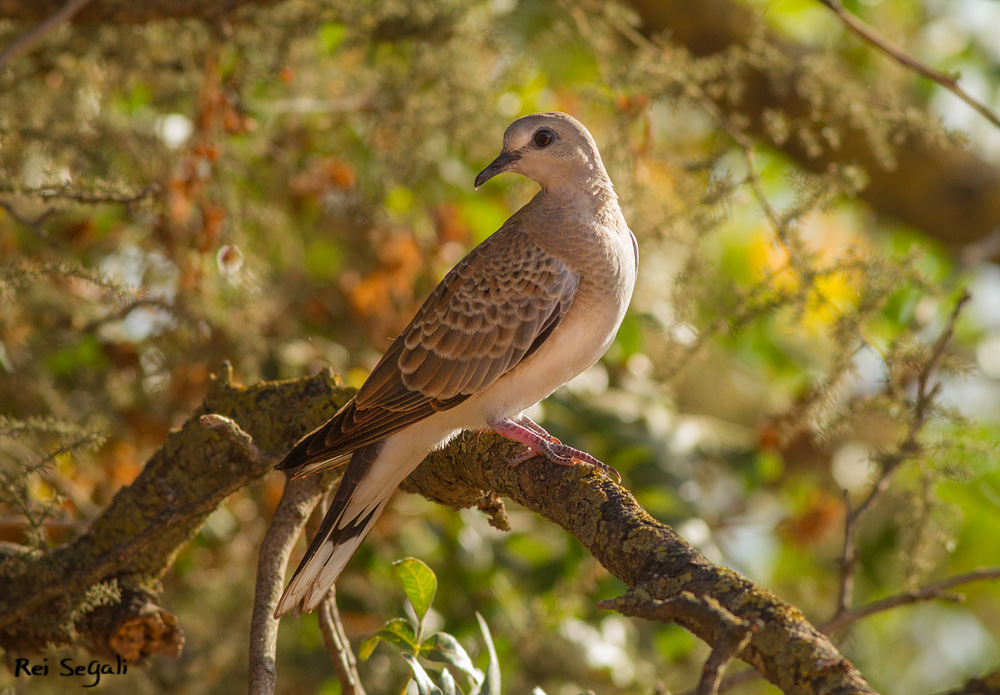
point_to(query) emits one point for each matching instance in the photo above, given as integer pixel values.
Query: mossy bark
(99, 589)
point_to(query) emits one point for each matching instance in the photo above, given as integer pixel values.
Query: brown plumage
(531, 307)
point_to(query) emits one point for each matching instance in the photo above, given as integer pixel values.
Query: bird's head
(553, 149)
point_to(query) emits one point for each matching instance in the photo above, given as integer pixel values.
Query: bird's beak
(499, 165)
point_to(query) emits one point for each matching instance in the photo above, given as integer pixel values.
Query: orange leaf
(822, 515)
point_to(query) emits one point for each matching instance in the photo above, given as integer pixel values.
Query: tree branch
(129, 12)
(81, 196)
(731, 634)
(938, 187)
(873, 38)
(63, 14)
(643, 553)
(340, 650)
(908, 447)
(932, 592)
(137, 537)
(297, 503)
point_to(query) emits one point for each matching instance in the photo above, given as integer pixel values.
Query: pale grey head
(553, 149)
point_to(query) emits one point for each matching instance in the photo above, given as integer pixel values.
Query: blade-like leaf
(419, 583)
(491, 685)
(425, 686)
(397, 631)
(445, 648)
(448, 686)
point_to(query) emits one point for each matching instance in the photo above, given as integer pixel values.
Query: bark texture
(52, 598)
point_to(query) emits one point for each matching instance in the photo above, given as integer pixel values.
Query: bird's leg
(541, 443)
(530, 424)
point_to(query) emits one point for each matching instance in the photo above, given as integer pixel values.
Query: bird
(535, 304)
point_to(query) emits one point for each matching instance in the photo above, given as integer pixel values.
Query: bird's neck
(593, 197)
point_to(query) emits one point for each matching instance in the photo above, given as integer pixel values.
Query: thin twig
(732, 633)
(931, 592)
(723, 651)
(35, 225)
(300, 508)
(744, 143)
(297, 502)
(55, 193)
(32, 37)
(873, 38)
(77, 196)
(121, 314)
(909, 446)
(112, 558)
(781, 227)
(731, 681)
(343, 659)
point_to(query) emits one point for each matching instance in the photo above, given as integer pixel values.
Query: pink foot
(541, 443)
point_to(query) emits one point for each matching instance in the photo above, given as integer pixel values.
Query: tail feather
(347, 522)
(372, 475)
(318, 450)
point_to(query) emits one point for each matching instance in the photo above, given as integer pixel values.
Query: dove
(527, 310)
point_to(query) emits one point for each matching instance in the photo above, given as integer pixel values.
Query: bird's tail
(357, 504)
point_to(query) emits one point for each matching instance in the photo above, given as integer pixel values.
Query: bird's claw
(538, 442)
(563, 455)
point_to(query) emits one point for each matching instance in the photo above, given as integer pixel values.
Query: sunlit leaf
(445, 648)
(448, 685)
(331, 35)
(425, 686)
(397, 631)
(419, 583)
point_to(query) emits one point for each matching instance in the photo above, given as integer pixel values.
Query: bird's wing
(492, 311)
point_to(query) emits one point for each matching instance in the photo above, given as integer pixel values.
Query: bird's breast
(583, 336)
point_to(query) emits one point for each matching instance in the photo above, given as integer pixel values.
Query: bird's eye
(544, 137)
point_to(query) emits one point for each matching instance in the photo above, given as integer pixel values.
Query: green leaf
(425, 686)
(491, 685)
(367, 646)
(419, 583)
(331, 35)
(448, 686)
(397, 631)
(84, 353)
(400, 200)
(444, 648)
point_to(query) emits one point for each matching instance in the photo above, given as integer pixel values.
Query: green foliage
(419, 584)
(29, 481)
(283, 190)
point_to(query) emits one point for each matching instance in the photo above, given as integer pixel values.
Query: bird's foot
(541, 443)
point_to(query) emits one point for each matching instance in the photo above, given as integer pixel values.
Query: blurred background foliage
(283, 189)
